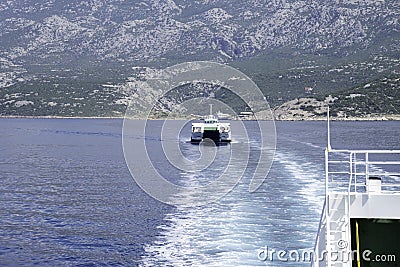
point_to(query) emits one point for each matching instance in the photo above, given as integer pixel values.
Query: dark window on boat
(376, 241)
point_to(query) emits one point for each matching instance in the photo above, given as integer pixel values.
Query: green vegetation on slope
(381, 96)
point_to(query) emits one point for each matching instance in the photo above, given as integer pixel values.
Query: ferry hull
(216, 136)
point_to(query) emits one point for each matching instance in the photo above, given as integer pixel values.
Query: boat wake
(230, 231)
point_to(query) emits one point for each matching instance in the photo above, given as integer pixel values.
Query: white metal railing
(347, 171)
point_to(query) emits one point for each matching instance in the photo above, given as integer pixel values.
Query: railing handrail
(376, 151)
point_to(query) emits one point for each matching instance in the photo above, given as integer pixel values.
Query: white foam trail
(304, 143)
(230, 232)
(310, 176)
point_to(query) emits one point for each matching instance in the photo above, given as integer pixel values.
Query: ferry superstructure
(360, 221)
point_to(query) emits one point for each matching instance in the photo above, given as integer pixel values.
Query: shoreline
(369, 118)
(54, 117)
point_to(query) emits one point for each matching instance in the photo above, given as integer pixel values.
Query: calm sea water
(67, 197)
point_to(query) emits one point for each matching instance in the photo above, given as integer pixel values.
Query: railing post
(351, 171)
(347, 203)
(366, 169)
(327, 176)
(327, 210)
(355, 172)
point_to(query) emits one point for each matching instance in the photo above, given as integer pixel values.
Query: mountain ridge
(64, 51)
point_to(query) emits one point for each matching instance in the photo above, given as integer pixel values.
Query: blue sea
(68, 198)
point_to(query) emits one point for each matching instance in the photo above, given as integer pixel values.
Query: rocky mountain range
(70, 58)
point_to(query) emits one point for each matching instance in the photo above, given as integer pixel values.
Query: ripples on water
(67, 198)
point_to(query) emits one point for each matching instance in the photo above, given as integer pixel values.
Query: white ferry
(360, 221)
(211, 128)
